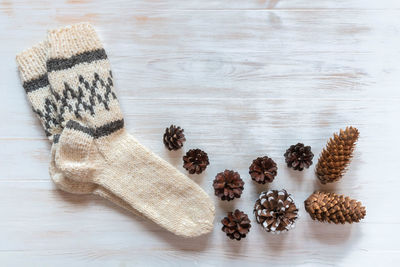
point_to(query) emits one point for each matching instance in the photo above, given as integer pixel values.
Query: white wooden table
(244, 79)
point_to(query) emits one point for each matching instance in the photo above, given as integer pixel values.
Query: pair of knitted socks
(69, 84)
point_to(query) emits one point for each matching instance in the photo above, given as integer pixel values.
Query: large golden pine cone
(333, 208)
(336, 156)
(276, 211)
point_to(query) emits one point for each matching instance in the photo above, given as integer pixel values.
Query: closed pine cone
(333, 208)
(263, 170)
(173, 137)
(228, 185)
(276, 211)
(299, 156)
(236, 225)
(336, 156)
(195, 161)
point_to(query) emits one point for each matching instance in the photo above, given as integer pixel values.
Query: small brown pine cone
(333, 208)
(299, 156)
(263, 170)
(173, 137)
(236, 225)
(336, 156)
(228, 185)
(195, 161)
(276, 211)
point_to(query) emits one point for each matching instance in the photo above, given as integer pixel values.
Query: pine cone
(333, 208)
(299, 156)
(336, 156)
(174, 137)
(228, 185)
(195, 161)
(276, 211)
(263, 170)
(236, 225)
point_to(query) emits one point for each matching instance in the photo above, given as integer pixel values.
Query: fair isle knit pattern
(33, 73)
(81, 77)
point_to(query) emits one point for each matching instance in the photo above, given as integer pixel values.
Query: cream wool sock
(33, 73)
(94, 146)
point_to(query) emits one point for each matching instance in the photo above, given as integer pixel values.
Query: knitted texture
(94, 146)
(33, 73)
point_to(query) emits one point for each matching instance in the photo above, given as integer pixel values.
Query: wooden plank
(239, 54)
(115, 7)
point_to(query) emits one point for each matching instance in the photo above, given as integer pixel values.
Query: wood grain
(244, 79)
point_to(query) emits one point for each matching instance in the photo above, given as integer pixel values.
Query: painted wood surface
(244, 79)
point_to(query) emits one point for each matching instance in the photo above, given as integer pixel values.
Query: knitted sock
(33, 73)
(95, 147)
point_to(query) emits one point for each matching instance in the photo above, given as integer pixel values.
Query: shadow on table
(332, 234)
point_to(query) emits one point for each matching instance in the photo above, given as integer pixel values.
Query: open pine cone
(228, 185)
(336, 156)
(299, 156)
(333, 208)
(236, 225)
(275, 211)
(263, 170)
(173, 137)
(195, 161)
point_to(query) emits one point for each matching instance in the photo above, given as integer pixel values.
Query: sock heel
(74, 153)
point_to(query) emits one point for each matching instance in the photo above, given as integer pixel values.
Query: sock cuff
(73, 40)
(32, 68)
(32, 62)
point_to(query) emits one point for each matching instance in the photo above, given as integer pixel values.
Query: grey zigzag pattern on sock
(47, 113)
(73, 100)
